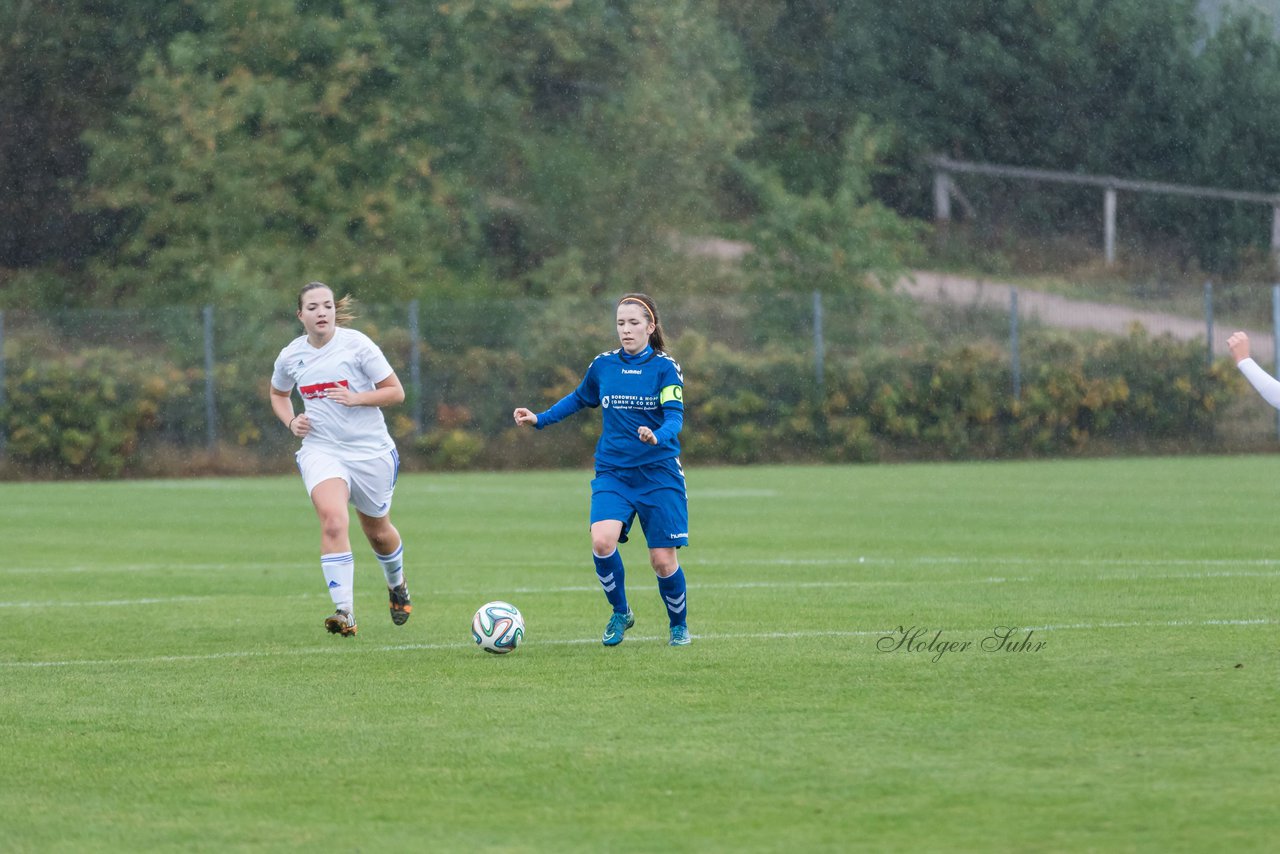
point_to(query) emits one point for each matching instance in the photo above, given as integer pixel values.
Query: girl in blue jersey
(640, 392)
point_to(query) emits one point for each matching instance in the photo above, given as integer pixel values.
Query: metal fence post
(1015, 360)
(3, 433)
(210, 409)
(1109, 225)
(1275, 338)
(818, 347)
(415, 366)
(1208, 323)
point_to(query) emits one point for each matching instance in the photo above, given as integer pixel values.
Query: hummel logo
(628, 371)
(333, 584)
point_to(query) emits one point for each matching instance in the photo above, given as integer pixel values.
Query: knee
(383, 537)
(603, 546)
(664, 565)
(334, 525)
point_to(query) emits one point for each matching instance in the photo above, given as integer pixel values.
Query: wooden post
(1275, 233)
(941, 196)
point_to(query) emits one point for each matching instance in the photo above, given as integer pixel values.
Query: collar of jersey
(643, 356)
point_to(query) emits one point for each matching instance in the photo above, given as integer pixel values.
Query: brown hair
(656, 339)
(344, 309)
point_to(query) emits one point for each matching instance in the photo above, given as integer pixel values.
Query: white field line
(923, 561)
(737, 585)
(356, 649)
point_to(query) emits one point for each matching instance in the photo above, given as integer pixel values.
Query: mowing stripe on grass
(348, 647)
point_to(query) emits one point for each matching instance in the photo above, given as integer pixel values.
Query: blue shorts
(656, 494)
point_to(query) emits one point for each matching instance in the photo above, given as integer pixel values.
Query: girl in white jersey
(347, 455)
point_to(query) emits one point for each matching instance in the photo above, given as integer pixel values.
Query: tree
(273, 144)
(64, 67)
(1121, 87)
(590, 131)
(842, 243)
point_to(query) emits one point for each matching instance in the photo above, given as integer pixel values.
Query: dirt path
(1054, 310)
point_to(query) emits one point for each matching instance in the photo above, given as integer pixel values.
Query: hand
(646, 436)
(341, 395)
(524, 416)
(300, 426)
(1238, 344)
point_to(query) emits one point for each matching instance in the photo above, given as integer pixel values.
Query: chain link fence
(198, 375)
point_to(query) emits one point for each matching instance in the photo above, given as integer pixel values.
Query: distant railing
(945, 189)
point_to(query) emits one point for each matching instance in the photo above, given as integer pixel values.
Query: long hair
(656, 339)
(344, 309)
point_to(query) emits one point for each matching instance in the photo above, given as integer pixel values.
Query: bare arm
(282, 405)
(388, 392)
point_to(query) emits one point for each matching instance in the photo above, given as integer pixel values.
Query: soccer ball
(498, 627)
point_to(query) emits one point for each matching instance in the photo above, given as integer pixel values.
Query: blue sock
(612, 579)
(672, 589)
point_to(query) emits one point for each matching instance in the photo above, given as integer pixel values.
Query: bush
(99, 411)
(85, 413)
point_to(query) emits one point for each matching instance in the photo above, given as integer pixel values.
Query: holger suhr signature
(923, 640)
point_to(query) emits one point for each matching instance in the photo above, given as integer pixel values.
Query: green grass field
(165, 682)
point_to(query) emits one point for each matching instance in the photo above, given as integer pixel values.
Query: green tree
(838, 243)
(275, 143)
(1121, 87)
(590, 131)
(64, 67)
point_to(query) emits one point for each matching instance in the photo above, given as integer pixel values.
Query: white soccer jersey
(352, 360)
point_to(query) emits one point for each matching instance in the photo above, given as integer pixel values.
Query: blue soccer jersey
(644, 390)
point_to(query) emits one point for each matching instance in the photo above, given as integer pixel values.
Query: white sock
(339, 575)
(393, 566)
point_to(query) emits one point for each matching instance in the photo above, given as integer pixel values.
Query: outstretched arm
(1265, 384)
(562, 409)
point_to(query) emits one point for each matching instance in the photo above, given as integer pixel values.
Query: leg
(664, 562)
(381, 534)
(612, 578)
(609, 570)
(388, 548)
(671, 586)
(330, 500)
(664, 515)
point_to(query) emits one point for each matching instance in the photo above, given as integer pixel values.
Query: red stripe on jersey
(316, 391)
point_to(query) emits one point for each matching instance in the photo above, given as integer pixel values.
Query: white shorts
(369, 482)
